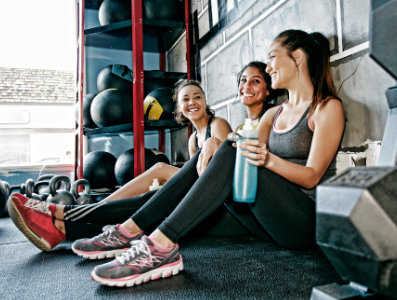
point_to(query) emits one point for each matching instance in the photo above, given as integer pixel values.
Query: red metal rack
(137, 33)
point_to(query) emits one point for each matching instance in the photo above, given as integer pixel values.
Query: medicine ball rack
(138, 35)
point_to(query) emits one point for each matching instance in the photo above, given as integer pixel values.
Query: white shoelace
(137, 247)
(40, 206)
(107, 232)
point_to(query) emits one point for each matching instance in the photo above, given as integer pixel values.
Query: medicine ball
(106, 79)
(112, 11)
(4, 193)
(163, 10)
(124, 167)
(98, 169)
(161, 157)
(112, 107)
(159, 105)
(87, 120)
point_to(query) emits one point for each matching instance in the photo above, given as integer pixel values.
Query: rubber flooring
(234, 267)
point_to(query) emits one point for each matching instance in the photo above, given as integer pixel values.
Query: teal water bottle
(245, 179)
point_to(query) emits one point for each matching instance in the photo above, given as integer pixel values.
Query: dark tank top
(207, 134)
(294, 145)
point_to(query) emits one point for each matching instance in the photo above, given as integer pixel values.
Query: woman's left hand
(258, 152)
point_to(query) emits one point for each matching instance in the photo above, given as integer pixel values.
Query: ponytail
(316, 47)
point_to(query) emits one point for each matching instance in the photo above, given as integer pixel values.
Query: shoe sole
(30, 235)
(100, 255)
(163, 272)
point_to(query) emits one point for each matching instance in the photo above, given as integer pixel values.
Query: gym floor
(233, 267)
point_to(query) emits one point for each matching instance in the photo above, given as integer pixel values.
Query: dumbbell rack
(137, 27)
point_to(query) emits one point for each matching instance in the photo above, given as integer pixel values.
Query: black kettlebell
(4, 193)
(60, 196)
(84, 196)
(45, 188)
(29, 188)
(42, 188)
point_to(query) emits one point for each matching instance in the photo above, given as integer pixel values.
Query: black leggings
(281, 210)
(88, 220)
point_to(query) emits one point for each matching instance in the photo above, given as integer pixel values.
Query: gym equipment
(60, 196)
(357, 226)
(98, 169)
(112, 107)
(84, 196)
(4, 193)
(159, 105)
(112, 11)
(124, 167)
(42, 185)
(163, 10)
(29, 190)
(383, 35)
(357, 209)
(87, 120)
(107, 79)
(161, 157)
(42, 189)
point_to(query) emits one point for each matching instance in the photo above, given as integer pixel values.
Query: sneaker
(108, 244)
(141, 263)
(34, 219)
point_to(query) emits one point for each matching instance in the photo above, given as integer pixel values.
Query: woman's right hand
(208, 150)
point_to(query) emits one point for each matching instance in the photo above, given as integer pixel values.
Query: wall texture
(225, 48)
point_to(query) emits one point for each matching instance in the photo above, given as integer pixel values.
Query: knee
(158, 167)
(60, 225)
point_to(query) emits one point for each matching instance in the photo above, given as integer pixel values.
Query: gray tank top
(294, 145)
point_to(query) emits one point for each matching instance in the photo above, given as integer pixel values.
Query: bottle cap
(248, 130)
(155, 185)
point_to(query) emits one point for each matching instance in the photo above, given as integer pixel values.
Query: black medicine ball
(159, 105)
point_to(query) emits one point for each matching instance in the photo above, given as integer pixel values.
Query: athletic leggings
(281, 210)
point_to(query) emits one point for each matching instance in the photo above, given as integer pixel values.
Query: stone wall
(360, 82)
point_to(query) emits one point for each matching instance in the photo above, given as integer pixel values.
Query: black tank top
(207, 134)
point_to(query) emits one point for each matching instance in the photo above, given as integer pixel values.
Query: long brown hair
(317, 50)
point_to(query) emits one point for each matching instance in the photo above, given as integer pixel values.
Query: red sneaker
(34, 219)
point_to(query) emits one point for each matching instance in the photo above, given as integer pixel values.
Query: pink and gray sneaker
(143, 262)
(34, 219)
(110, 243)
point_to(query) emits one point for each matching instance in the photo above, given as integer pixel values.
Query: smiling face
(252, 87)
(191, 102)
(280, 66)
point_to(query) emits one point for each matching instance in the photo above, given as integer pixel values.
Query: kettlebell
(42, 188)
(29, 187)
(4, 193)
(60, 196)
(84, 196)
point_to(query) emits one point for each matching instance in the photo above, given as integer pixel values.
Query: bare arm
(192, 144)
(328, 121)
(220, 129)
